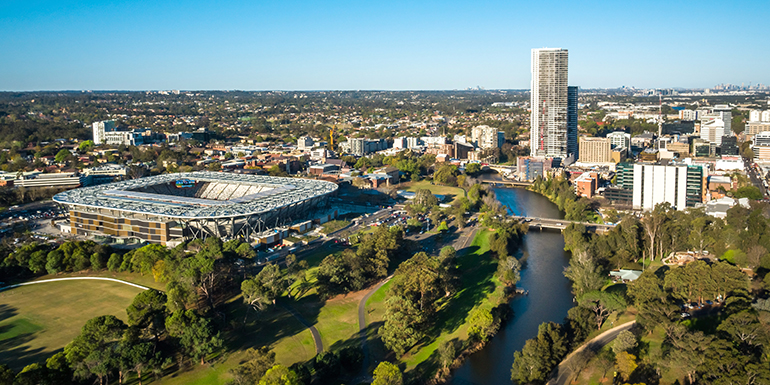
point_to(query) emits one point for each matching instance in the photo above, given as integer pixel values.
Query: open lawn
(451, 193)
(38, 320)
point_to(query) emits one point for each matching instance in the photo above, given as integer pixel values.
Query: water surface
(549, 296)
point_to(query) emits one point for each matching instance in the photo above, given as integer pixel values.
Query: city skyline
(342, 45)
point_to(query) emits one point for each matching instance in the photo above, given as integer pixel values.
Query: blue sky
(398, 45)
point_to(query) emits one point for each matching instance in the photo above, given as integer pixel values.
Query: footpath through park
(562, 374)
(73, 279)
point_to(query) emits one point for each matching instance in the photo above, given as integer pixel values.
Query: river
(549, 296)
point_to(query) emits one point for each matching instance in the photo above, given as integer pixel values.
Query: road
(562, 374)
(755, 178)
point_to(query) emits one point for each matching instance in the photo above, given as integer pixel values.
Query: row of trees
(742, 238)
(560, 192)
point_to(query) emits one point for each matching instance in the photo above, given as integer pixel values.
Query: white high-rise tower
(549, 134)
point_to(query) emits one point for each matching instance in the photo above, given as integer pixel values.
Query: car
(559, 224)
(685, 315)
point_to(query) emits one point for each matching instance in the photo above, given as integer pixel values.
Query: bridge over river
(561, 224)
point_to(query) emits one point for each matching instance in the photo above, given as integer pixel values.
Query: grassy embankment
(451, 193)
(479, 289)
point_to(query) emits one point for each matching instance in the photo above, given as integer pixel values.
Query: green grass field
(452, 193)
(38, 320)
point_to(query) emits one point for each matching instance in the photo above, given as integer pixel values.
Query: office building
(486, 137)
(572, 122)
(729, 145)
(680, 186)
(619, 139)
(688, 115)
(413, 142)
(586, 184)
(759, 116)
(716, 124)
(713, 130)
(400, 142)
(128, 138)
(305, 143)
(549, 134)
(530, 168)
(595, 150)
(100, 128)
(753, 128)
(762, 139)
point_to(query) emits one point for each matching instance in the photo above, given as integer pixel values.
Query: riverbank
(479, 290)
(560, 193)
(549, 299)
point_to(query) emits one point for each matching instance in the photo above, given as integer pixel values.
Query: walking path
(362, 325)
(563, 373)
(319, 345)
(71, 279)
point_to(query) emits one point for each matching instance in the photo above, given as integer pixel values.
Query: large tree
(194, 333)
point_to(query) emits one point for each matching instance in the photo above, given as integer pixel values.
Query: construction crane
(331, 137)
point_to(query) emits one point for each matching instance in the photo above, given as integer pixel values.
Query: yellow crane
(331, 137)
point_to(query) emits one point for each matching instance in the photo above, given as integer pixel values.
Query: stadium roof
(272, 193)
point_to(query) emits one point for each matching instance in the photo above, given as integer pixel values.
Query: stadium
(172, 208)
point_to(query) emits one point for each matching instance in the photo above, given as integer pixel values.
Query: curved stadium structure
(170, 208)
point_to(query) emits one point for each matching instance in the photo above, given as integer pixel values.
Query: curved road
(562, 374)
(73, 279)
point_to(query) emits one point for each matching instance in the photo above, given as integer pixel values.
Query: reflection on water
(549, 296)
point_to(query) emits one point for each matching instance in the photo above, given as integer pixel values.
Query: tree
(482, 325)
(652, 222)
(280, 375)
(540, 354)
(473, 169)
(194, 334)
(402, 327)
(584, 273)
(387, 374)
(6, 375)
(446, 353)
(133, 355)
(508, 270)
(85, 146)
(446, 175)
(601, 303)
(425, 198)
(626, 364)
(62, 155)
(258, 362)
(264, 288)
(624, 342)
(743, 328)
(148, 312)
(651, 300)
(91, 352)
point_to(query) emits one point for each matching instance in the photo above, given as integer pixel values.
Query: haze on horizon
(394, 45)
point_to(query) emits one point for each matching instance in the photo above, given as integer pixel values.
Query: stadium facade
(172, 208)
